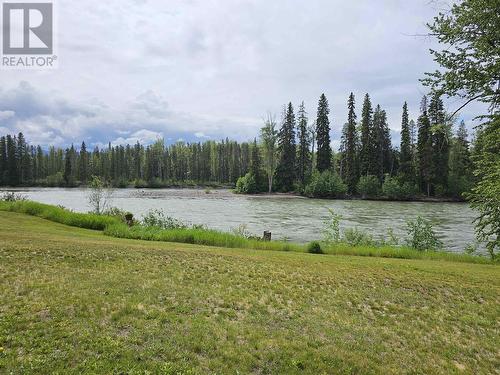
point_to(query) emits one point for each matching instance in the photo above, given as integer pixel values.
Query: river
(287, 217)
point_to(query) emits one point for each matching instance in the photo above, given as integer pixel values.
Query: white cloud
(182, 68)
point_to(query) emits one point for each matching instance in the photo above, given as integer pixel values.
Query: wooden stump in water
(267, 236)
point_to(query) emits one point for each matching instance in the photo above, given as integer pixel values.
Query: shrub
(331, 230)
(368, 186)
(356, 237)
(138, 183)
(55, 180)
(314, 248)
(421, 235)
(247, 184)
(158, 219)
(99, 195)
(10, 196)
(325, 185)
(393, 189)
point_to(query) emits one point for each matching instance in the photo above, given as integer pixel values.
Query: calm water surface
(295, 218)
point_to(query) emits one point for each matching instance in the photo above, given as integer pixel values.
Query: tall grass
(207, 237)
(59, 214)
(114, 227)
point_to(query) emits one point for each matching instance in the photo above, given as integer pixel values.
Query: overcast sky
(137, 69)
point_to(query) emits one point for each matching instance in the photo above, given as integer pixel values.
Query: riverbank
(75, 301)
(215, 186)
(115, 227)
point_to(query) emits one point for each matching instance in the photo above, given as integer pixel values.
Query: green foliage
(392, 188)
(331, 230)
(314, 248)
(349, 148)
(55, 180)
(325, 185)
(485, 196)
(59, 214)
(324, 153)
(356, 237)
(421, 235)
(247, 184)
(285, 172)
(368, 186)
(470, 56)
(157, 218)
(11, 196)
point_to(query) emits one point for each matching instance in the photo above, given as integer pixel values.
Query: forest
(433, 158)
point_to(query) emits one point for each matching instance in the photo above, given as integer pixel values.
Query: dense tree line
(432, 163)
(429, 160)
(152, 165)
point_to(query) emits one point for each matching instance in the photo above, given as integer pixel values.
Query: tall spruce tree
(304, 147)
(460, 177)
(440, 130)
(83, 164)
(285, 173)
(424, 149)
(324, 153)
(405, 157)
(366, 153)
(12, 178)
(3, 160)
(349, 168)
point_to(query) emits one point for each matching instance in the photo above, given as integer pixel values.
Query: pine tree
(440, 143)
(460, 177)
(285, 173)
(3, 161)
(406, 158)
(349, 169)
(304, 149)
(68, 169)
(366, 152)
(12, 177)
(324, 153)
(83, 164)
(424, 149)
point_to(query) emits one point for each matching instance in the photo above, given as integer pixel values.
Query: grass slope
(114, 227)
(76, 301)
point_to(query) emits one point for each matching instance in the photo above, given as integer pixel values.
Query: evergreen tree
(12, 177)
(285, 173)
(405, 156)
(460, 177)
(3, 161)
(424, 149)
(366, 152)
(68, 169)
(304, 150)
(256, 165)
(349, 168)
(440, 143)
(83, 164)
(324, 153)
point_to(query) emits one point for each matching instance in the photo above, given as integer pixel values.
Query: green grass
(76, 301)
(114, 227)
(59, 214)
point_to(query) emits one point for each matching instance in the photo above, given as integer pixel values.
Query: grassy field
(74, 300)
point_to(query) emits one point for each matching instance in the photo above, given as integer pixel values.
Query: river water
(295, 218)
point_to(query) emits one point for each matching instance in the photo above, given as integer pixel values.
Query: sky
(139, 70)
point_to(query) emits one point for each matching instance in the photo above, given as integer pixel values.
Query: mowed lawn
(75, 301)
